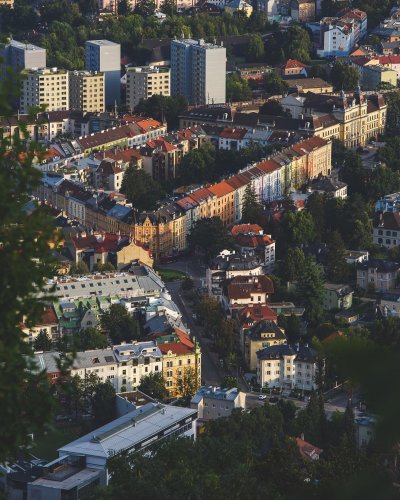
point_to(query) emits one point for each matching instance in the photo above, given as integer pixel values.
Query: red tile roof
(48, 317)
(293, 63)
(233, 133)
(221, 189)
(161, 144)
(307, 450)
(177, 348)
(237, 181)
(257, 312)
(246, 229)
(99, 242)
(242, 286)
(201, 194)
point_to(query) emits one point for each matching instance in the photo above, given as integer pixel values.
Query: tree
(292, 264)
(344, 76)
(350, 427)
(103, 403)
(145, 8)
(229, 382)
(275, 85)
(237, 89)
(393, 114)
(199, 165)
(140, 189)
(187, 284)
(89, 338)
(119, 324)
(163, 108)
(256, 51)
(80, 268)
(154, 386)
(42, 342)
(210, 236)
(25, 265)
(187, 383)
(169, 7)
(297, 44)
(251, 207)
(106, 267)
(272, 107)
(310, 290)
(335, 262)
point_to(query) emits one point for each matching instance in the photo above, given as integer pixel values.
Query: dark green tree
(89, 338)
(393, 114)
(256, 52)
(310, 290)
(297, 44)
(169, 7)
(199, 165)
(103, 403)
(229, 382)
(210, 236)
(187, 284)
(335, 262)
(290, 267)
(344, 76)
(80, 268)
(275, 85)
(163, 108)
(251, 207)
(153, 385)
(145, 8)
(237, 89)
(272, 107)
(350, 427)
(140, 189)
(42, 342)
(119, 324)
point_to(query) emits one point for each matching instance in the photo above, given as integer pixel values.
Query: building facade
(144, 81)
(47, 87)
(86, 91)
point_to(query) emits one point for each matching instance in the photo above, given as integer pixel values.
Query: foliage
(187, 284)
(275, 85)
(80, 268)
(290, 267)
(295, 228)
(145, 8)
(163, 108)
(153, 385)
(140, 189)
(229, 382)
(344, 76)
(25, 264)
(310, 290)
(87, 339)
(272, 107)
(42, 342)
(237, 89)
(298, 44)
(103, 403)
(291, 325)
(103, 268)
(335, 262)
(119, 324)
(393, 114)
(187, 383)
(251, 208)
(210, 236)
(256, 52)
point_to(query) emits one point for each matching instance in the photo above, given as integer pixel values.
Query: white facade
(337, 40)
(144, 81)
(198, 71)
(105, 56)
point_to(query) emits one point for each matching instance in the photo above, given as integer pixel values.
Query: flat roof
(128, 431)
(101, 42)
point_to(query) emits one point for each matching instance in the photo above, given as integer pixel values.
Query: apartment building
(21, 56)
(261, 335)
(213, 402)
(144, 81)
(198, 71)
(386, 229)
(105, 56)
(48, 87)
(380, 275)
(285, 367)
(86, 91)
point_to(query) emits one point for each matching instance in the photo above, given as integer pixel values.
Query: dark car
(274, 399)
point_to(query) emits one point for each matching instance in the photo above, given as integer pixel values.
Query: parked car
(262, 397)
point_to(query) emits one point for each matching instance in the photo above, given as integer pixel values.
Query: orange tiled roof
(233, 133)
(246, 228)
(221, 189)
(293, 63)
(177, 348)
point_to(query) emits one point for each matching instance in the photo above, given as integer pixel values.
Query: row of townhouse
(165, 230)
(173, 356)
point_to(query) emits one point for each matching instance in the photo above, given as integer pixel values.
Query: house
(386, 229)
(181, 361)
(229, 264)
(389, 203)
(356, 256)
(285, 367)
(330, 186)
(133, 432)
(365, 430)
(315, 85)
(244, 290)
(308, 451)
(292, 68)
(259, 336)
(303, 11)
(348, 316)
(337, 296)
(390, 304)
(250, 238)
(213, 402)
(48, 324)
(108, 176)
(238, 6)
(380, 275)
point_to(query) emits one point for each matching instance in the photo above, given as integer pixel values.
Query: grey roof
(215, 393)
(306, 354)
(340, 290)
(97, 357)
(382, 266)
(276, 352)
(391, 297)
(130, 430)
(265, 326)
(48, 361)
(125, 352)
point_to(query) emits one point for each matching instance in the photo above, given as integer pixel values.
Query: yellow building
(86, 91)
(144, 81)
(181, 363)
(47, 87)
(261, 335)
(224, 204)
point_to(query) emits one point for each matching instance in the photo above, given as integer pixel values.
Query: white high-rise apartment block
(144, 81)
(86, 91)
(22, 56)
(198, 71)
(45, 87)
(105, 56)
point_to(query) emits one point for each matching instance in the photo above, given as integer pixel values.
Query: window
(123, 372)
(123, 381)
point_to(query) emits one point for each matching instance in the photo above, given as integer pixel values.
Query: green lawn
(171, 274)
(46, 446)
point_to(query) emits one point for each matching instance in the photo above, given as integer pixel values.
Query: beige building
(47, 87)
(86, 91)
(144, 81)
(213, 402)
(263, 334)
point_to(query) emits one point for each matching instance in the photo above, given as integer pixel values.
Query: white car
(261, 397)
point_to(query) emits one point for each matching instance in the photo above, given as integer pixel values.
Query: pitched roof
(241, 287)
(246, 229)
(307, 450)
(233, 133)
(292, 63)
(221, 189)
(256, 312)
(177, 348)
(201, 194)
